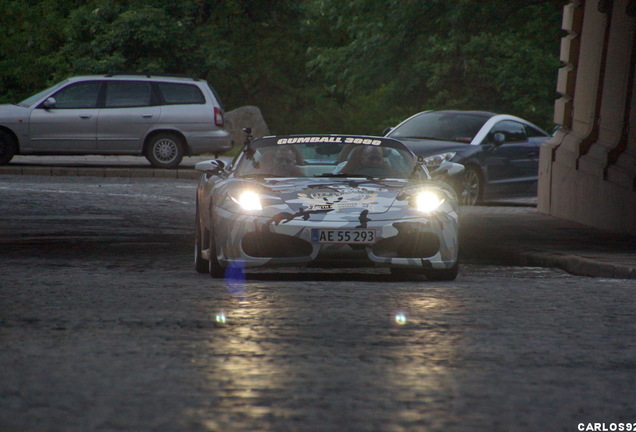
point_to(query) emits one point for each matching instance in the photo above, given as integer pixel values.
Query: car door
(68, 122)
(130, 110)
(512, 165)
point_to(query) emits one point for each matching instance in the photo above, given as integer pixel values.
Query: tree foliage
(310, 65)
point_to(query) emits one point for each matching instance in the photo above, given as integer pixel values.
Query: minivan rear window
(181, 94)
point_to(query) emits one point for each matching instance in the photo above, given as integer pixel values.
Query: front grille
(271, 245)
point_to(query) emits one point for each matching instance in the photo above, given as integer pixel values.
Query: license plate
(349, 236)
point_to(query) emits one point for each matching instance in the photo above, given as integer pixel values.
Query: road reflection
(328, 356)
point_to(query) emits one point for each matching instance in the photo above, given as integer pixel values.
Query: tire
(442, 274)
(472, 186)
(215, 268)
(399, 273)
(165, 150)
(430, 274)
(8, 147)
(201, 265)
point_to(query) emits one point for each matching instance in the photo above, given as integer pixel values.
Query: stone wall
(587, 171)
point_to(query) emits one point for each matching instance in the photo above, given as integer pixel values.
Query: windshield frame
(323, 156)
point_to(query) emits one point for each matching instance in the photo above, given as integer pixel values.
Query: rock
(244, 117)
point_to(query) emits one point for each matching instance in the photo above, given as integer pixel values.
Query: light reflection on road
(290, 345)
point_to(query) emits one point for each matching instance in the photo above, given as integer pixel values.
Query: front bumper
(255, 241)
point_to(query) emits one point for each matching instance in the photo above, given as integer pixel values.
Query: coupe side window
(122, 94)
(533, 132)
(513, 131)
(80, 95)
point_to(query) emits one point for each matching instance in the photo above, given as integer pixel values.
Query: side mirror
(49, 103)
(448, 169)
(212, 167)
(499, 138)
(387, 130)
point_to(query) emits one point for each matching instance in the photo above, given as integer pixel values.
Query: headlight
(435, 160)
(428, 201)
(248, 200)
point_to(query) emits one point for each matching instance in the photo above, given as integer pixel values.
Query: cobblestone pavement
(105, 326)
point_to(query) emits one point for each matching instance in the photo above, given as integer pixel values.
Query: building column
(587, 171)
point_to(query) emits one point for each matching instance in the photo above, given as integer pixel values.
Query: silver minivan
(159, 116)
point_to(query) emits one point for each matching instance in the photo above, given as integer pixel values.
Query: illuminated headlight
(248, 200)
(428, 201)
(435, 160)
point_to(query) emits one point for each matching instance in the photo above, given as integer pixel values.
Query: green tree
(134, 36)
(496, 55)
(255, 55)
(33, 32)
(310, 65)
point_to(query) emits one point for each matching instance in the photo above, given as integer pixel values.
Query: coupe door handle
(147, 115)
(85, 116)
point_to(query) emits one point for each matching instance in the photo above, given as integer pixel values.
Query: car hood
(12, 113)
(428, 147)
(336, 199)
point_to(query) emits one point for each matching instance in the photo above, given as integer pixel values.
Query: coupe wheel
(472, 186)
(165, 150)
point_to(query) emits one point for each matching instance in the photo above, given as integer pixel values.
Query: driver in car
(284, 163)
(372, 157)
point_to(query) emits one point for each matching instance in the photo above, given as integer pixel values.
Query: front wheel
(8, 147)
(448, 274)
(200, 264)
(165, 150)
(215, 268)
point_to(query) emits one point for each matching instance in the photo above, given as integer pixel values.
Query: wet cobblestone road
(105, 326)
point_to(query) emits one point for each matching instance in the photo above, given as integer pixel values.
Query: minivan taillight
(218, 117)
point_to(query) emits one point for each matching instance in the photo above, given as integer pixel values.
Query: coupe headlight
(428, 201)
(248, 200)
(435, 160)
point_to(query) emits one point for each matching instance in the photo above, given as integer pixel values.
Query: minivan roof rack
(150, 75)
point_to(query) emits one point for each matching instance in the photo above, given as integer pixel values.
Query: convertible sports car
(323, 201)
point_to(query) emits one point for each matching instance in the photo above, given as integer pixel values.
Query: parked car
(500, 152)
(323, 201)
(160, 117)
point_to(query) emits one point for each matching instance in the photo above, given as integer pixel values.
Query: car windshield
(286, 157)
(445, 126)
(36, 97)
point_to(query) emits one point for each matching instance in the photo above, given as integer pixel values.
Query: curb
(577, 265)
(570, 261)
(189, 174)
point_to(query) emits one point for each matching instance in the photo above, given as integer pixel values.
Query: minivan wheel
(165, 150)
(7, 147)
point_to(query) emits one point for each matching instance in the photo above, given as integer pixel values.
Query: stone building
(587, 171)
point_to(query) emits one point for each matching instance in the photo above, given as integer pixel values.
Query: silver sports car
(324, 201)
